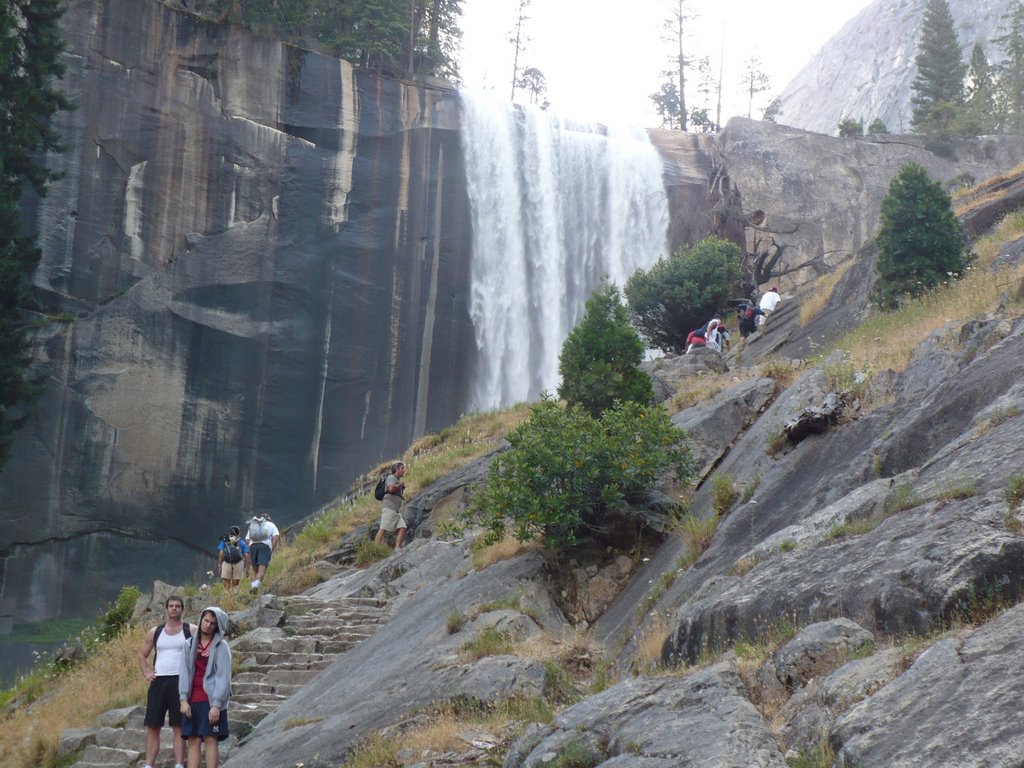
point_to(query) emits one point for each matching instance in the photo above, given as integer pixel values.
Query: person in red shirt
(204, 687)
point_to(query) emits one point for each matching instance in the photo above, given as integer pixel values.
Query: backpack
(232, 551)
(258, 530)
(160, 628)
(748, 312)
(381, 489)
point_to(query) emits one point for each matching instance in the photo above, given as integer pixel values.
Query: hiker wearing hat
(233, 558)
(262, 538)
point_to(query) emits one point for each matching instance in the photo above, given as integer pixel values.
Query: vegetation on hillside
(567, 469)
(682, 292)
(404, 38)
(30, 47)
(599, 359)
(920, 242)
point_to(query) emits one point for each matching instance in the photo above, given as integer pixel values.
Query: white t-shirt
(769, 301)
(168, 652)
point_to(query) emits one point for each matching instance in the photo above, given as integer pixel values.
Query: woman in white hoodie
(204, 687)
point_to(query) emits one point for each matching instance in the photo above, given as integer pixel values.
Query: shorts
(163, 699)
(198, 726)
(259, 554)
(391, 519)
(232, 570)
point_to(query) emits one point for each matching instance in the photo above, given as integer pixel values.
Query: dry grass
(509, 547)
(292, 569)
(647, 658)
(28, 736)
(965, 200)
(815, 300)
(1010, 227)
(701, 388)
(886, 340)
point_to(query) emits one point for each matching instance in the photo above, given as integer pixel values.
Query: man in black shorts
(169, 640)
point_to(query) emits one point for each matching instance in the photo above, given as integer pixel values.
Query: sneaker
(256, 584)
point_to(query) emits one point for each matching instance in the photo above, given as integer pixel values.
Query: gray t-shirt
(391, 501)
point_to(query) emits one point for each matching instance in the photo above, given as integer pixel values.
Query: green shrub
(573, 754)
(775, 441)
(456, 620)
(119, 615)
(558, 684)
(1015, 491)
(489, 642)
(696, 534)
(849, 128)
(750, 488)
(683, 291)
(920, 243)
(788, 545)
(368, 551)
(599, 359)
(566, 469)
(962, 488)
(854, 528)
(723, 494)
(900, 498)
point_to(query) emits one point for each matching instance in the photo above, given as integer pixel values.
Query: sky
(602, 64)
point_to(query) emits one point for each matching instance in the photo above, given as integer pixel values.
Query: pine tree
(920, 243)
(599, 359)
(30, 46)
(1011, 70)
(939, 85)
(980, 103)
(754, 81)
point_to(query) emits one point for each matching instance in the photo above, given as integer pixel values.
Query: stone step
(275, 675)
(260, 669)
(327, 622)
(253, 716)
(250, 691)
(95, 755)
(303, 600)
(260, 699)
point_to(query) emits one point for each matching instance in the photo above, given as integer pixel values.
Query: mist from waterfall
(555, 206)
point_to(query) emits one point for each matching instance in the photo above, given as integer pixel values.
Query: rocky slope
(266, 256)
(877, 565)
(866, 69)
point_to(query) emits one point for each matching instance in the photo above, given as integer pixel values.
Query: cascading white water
(555, 206)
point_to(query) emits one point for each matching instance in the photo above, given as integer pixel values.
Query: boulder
(957, 704)
(818, 648)
(702, 719)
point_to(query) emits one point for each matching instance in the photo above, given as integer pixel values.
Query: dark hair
(175, 598)
(235, 531)
(396, 465)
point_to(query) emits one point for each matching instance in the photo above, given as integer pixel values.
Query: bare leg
(400, 538)
(212, 751)
(152, 744)
(379, 538)
(179, 746)
(193, 752)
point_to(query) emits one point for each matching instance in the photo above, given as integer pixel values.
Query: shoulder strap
(187, 630)
(156, 636)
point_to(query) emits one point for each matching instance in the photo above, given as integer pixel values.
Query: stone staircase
(274, 663)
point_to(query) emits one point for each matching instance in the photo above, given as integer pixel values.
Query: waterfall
(555, 206)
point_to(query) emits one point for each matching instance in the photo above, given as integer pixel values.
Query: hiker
(714, 335)
(169, 640)
(390, 507)
(696, 338)
(748, 314)
(233, 558)
(204, 686)
(725, 338)
(768, 304)
(262, 538)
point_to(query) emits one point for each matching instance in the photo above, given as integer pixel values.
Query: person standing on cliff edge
(390, 506)
(169, 640)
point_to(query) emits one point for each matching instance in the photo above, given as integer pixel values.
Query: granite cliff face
(267, 257)
(264, 252)
(866, 69)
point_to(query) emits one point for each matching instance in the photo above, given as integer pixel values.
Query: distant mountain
(866, 69)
